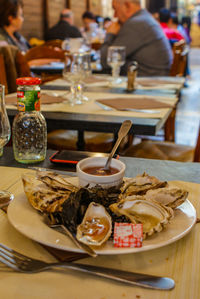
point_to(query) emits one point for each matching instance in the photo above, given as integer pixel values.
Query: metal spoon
(123, 131)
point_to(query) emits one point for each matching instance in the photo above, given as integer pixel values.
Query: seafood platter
(90, 212)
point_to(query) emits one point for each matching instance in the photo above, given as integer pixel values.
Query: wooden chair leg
(170, 127)
(197, 149)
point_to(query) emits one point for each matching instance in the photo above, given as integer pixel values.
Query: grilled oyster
(140, 185)
(41, 197)
(170, 197)
(152, 215)
(55, 181)
(96, 226)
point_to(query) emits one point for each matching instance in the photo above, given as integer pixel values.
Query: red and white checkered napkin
(128, 235)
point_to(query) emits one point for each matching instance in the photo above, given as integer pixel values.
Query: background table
(90, 117)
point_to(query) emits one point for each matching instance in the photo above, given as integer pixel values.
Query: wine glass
(5, 196)
(116, 58)
(74, 73)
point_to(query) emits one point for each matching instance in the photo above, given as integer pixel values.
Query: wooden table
(90, 117)
(179, 260)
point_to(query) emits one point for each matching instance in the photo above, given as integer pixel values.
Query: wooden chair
(3, 79)
(41, 55)
(180, 52)
(165, 151)
(67, 139)
(55, 43)
(15, 66)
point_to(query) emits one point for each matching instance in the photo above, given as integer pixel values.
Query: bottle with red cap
(29, 126)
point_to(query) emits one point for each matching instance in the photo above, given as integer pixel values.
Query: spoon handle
(123, 131)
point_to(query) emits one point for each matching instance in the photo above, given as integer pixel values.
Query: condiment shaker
(132, 73)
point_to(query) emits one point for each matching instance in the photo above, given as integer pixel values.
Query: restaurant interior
(99, 149)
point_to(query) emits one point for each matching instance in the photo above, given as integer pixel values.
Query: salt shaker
(132, 73)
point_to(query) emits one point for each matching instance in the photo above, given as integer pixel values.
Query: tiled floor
(188, 112)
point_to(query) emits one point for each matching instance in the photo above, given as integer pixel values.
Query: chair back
(12, 66)
(197, 149)
(54, 43)
(3, 79)
(180, 52)
(44, 52)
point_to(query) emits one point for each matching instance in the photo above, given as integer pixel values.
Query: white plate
(29, 222)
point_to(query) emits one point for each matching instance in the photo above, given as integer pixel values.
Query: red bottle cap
(28, 81)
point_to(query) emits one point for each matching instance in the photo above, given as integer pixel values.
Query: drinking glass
(86, 61)
(116, 58)
(4, 138)
(74, 73)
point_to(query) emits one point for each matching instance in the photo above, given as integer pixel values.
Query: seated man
(143, 38)
(64, 28)
(172, 34)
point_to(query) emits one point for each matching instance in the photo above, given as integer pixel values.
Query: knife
(108, 108)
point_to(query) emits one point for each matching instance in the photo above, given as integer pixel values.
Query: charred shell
(170, 197)
(140, 185)
(41, 197)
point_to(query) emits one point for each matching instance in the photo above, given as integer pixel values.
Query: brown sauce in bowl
(98, 170)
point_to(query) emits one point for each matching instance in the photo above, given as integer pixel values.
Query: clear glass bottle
(29, 125)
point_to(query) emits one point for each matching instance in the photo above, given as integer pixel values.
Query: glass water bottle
(29, 126)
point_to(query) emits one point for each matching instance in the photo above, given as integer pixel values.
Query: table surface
(165, 170)
(179, 260)
(90, 117)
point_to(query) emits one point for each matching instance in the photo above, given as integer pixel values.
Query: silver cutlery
(108, 108)
(25, 264)
(62, 229)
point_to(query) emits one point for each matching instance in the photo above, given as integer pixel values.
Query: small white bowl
(105, 181)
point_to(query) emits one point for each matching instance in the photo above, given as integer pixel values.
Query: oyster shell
(170, 197)
(55, 181)
(140, 185)
(96, 226)
(152, 215)
(41, 197)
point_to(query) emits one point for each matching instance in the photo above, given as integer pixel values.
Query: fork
(25, 264)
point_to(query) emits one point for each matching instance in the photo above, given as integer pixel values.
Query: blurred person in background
(172, 34)
(11, 21)
(175, 24)
(143, 38)
(88, 18)
(64, 28)
(107, 22)
(186, 23)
